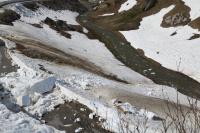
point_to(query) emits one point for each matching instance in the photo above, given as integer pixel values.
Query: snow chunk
(44, 86)
(127, 5)
(24, 100)
(92, 115)
(78, 130)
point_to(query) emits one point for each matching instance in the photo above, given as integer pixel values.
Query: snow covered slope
(79, 45)
(175, 52)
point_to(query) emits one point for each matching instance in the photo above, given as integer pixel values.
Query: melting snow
(175, 52)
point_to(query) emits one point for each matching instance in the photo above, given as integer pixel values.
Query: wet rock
(60, 28)
(8, 16)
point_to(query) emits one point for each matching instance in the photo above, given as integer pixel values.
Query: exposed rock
(176, 19)
(8, 16)
(2, 43)
(61, 28)
(195, 36)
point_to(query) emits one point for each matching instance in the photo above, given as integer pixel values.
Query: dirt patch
(195, 23)
(2, 43)
(8, 16)
(71, 116)
(62, 27)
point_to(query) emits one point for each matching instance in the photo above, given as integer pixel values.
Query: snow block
(24, 100)
(44, 86)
